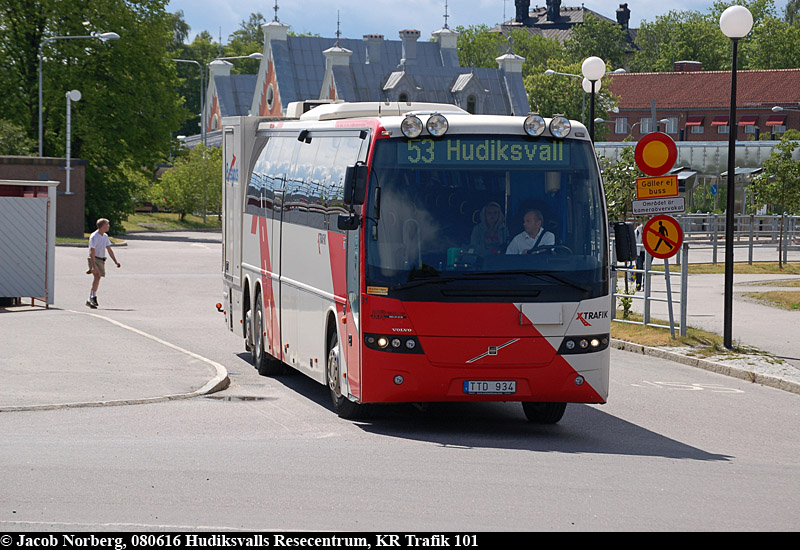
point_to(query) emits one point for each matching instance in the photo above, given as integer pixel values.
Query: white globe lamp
(736, 22)
(593, 68)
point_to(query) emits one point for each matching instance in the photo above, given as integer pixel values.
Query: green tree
(247, 39)
(550, 94)
(193, 184)
(778, 185)
(480, 46)
(791, 14)
(15, 141)
(678, 36)
(775, 45)
(203, 50)
(619, 180)
(598, 37)
(129, 106)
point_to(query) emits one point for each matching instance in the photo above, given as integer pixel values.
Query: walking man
(99, 245)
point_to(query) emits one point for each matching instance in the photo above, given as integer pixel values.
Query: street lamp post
(104, 37)
(736, 22)
(593, 69)
(202, 96)
(72, 95)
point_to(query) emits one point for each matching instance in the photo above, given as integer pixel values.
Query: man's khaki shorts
(101, 266)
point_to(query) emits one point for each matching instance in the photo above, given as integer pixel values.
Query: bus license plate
(490, 386)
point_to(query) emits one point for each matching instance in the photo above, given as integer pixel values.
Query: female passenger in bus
(490, 235)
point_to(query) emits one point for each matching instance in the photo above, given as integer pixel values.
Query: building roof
(235, 93)
(304, 56)
(706, 89)
(431, 84)
(561, 29)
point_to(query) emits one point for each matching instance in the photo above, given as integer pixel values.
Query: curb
(218, 382)
(719, 368)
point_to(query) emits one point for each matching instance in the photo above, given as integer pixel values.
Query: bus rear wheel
(265, 363)
(342, 405)
(544, 413)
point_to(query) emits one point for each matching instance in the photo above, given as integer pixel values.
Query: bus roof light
(411, 127)
(560, 126)
(437, 125)
(534, 125)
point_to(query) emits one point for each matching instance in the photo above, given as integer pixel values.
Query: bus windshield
(496, 211)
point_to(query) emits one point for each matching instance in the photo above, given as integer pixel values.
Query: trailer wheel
(544, 413)
(266, 364)
(342, 405)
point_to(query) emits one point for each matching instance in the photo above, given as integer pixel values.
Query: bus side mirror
(348, 223)
(355, 184)
(625, 240)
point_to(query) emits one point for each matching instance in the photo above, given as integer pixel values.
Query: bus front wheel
(544, 413)
(342, 405)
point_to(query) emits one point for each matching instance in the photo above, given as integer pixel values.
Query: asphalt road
(675, 448)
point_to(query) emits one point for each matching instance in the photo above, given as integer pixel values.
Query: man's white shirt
(523, 241)
(99, 243)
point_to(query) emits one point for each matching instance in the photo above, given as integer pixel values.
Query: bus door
(352, 343)
(274, 313)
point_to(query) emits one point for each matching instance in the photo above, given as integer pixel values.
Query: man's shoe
(91, 304)
(94, 301)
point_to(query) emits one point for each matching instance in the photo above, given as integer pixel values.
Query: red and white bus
(386, 251)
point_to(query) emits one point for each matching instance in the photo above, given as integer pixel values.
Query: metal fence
(676, 286)
(750, 231)
(701, 232)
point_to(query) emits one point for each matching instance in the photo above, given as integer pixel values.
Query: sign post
(662, 235)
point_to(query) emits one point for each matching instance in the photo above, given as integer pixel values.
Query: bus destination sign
(483, 152)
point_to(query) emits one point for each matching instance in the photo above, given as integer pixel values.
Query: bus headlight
(584, 344)
(560, 126)
(393, 343)
(534, 125)
(411, 127)
(437, 125)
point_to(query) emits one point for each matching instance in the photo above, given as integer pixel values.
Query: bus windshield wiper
(472, 276)
(550, 274)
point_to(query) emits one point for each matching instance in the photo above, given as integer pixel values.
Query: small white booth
(27, 239)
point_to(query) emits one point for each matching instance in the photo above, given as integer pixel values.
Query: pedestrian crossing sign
(662, 236)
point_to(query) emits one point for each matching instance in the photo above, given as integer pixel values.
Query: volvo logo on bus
(493, 350)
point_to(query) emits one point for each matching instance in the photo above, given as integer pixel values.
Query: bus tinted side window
(346, 155)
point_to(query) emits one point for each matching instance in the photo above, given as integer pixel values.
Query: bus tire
(266, 364)
(345, 408)
(544, 413)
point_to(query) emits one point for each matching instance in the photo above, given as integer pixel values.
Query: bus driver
(533, 237)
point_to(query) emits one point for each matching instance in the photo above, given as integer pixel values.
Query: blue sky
(387, 17)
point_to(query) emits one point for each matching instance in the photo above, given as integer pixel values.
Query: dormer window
(472, 103)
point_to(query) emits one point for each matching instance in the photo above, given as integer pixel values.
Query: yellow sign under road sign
(654, 188)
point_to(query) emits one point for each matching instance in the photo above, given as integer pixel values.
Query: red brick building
(697, 103)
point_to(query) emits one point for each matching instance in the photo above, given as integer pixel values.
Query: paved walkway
(769, 329)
